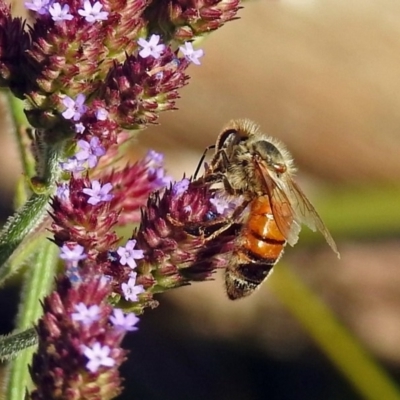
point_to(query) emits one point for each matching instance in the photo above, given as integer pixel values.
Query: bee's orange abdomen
(260, 235)
(259, 247)
(261, 220)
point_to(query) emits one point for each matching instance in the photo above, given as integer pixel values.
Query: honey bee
(258, 168)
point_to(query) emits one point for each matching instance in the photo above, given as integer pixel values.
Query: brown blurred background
(324, 77)
(320, 75)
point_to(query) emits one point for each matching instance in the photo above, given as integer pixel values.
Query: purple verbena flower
(79, 351)
(131, 290)
(98, 193)
(93, 13)
(79, 127)
(101, 114)
(190, 53)
(90, 151)
(156, 172)
(158, 178)
(220, 204)
(74, 254)
(77, 221)
(60, 14)
(128, 255)
(180, 187)
(154, 159)
(151, 47)
(62, 192)
(72, 165)
(86, 314)
(98, 356)
(124, 321)
(133, 275)
(40, 6)
(75, 108)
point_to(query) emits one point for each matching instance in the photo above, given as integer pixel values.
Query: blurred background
(322, 76)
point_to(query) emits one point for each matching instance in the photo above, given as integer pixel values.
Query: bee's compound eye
(269, 153)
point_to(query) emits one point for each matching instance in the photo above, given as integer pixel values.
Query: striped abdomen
(259, 247)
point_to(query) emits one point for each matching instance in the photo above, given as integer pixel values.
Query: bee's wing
(284, 215)
(306, 213)
(291, 208)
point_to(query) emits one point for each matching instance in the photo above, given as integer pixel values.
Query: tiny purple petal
(80, 100)
(187, 209)
(98, 356)
(90, 151)
(154, 159)
(85, 314)
(158, 178)
(62, 192)
(93, 13)
(131, 290)
(133, 275)
(220, 204)
(60, 14)
(40, 6)
(68, 113)
(98, 193)
(123, 321)
(191, 54)
(180, 187)
(151, 47)
(68, 102)
(73, 254)
(128, 255)
(75, 108)
(79, 127)
(72, 165)
(101, 114)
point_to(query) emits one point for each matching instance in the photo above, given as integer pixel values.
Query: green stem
(345, 352)
(20, 124)
(29, 216)
(38, 283)
(23, 255)
(32, 213)
(11, 345)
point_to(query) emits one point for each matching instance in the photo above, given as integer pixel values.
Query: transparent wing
(307, 214)
(284, 214)
(291, 208)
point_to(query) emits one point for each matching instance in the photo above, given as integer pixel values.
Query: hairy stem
(31, 214)
(20, 225)
(19, 130)
(38, 283)
(11, 345)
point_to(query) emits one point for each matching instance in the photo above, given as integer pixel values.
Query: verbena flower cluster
(89, 71)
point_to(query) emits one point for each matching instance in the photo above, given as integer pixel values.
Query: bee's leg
(219, 231)
(224, 160)
(209, 179)
(228, 221)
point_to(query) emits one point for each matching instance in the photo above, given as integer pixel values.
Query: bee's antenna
(202, 159)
